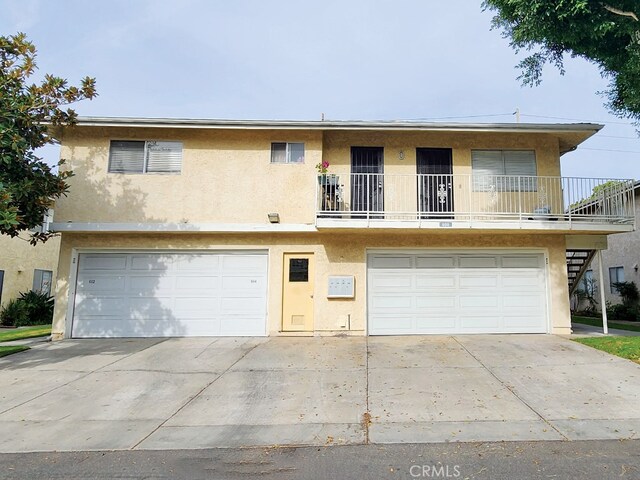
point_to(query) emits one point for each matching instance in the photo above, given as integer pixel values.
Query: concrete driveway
(225, 392)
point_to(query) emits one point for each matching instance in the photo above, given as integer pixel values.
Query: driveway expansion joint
(218, 376)
(511, 389)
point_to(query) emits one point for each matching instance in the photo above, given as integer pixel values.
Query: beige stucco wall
(19, 259)
(227, 176)
(336, 253)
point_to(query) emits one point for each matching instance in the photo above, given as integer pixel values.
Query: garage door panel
(478, 262)
(151, 262)
(181, 294)
(521, 262)
(396, 302)
(435, 301)
(477, 323)
(243, 324)
(479, 301)
(89, 283)
(401, 261)
(464, 293)
(238, 305)
(529, 323)
(435, 322)
(426, 281)
(149, 284)
(100, 306)
(525, 281)
(103, 262)
(521, 301)
(252, 283)
(399, 281)
(478, 281)
(390, 323)
(204, 283)
(435, 262)
(246, 263)
(197, 263)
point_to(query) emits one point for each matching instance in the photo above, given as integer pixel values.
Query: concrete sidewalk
(229, 392)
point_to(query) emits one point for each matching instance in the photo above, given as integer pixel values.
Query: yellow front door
(297, 292)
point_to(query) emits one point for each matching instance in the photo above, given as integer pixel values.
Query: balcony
(472, 201)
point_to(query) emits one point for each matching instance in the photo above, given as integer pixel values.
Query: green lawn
(625, 347)
(597, 322)
(4, 351)
(27, 332)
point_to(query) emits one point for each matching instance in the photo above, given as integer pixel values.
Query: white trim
(71, 297)
(340, 223)
(335, 125)
(181, 227)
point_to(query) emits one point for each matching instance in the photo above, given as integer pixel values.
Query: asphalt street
(585, 460)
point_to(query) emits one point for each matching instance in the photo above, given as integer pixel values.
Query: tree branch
(621, 12)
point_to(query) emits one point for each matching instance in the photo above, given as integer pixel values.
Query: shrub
(31, 308)
(623, 312)
(628, 291)
(14, 313)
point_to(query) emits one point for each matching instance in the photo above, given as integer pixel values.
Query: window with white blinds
(504, 170)
(282, 152)
(145, 157)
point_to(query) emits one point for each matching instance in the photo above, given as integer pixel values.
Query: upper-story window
(285, 152)
(504, 170)
(134, 156)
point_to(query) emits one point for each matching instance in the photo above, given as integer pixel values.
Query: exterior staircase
(577, 263)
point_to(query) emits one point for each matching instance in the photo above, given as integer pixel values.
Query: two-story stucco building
(25, 267)
(205, 227)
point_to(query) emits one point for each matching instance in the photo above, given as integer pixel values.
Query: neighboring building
(25, 267)
(620, 261)
(204, 227)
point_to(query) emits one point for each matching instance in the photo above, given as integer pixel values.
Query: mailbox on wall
(341, 286)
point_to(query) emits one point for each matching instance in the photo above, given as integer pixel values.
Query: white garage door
(170, 294)
(456, 293)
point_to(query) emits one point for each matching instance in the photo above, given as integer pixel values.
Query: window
(1, 283)
(299, 270)
(145, 157)
(46, 222)
(504, 170)
(616, 275)
(587, 284)
(42, 281)
(287, 152)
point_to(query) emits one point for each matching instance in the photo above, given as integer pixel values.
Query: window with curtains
(504, 170)
(136, 156)
(285, 152)
(616, 275)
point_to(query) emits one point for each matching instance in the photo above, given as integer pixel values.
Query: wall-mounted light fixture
(401, 154)
(635, 267)
(274, 217)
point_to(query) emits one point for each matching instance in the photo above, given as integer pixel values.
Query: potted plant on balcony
(324, 178)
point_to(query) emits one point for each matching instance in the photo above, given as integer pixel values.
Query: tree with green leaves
(28, 186)
(606, 33)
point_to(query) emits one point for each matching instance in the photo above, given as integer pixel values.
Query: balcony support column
(603, 305)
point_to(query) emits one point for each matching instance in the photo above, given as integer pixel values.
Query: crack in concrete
(366, 417)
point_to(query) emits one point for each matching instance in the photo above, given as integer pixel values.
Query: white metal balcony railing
(418, 197)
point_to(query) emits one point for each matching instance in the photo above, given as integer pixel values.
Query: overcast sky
(286, 59)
